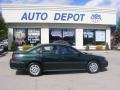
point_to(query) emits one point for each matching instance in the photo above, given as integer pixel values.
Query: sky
(103, 3)
(66, 2)
(87, 3)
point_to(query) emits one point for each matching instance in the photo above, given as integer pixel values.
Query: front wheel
(93, 67)
(34, 69)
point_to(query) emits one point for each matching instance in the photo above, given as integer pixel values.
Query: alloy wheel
(34, 69)
(93, 67)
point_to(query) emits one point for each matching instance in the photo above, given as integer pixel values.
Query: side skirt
(64, 70)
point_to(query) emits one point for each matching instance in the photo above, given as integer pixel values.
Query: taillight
(13, 56)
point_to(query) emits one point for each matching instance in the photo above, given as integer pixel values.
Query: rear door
(50, 57)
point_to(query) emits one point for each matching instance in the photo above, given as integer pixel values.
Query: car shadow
(63, 72)
(103, 70)
(23, 72)
(70, 72)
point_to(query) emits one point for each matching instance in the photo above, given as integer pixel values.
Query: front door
(71, 58)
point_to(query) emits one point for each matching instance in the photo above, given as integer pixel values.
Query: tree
(116, 35)
(118, 32)
(3, 29)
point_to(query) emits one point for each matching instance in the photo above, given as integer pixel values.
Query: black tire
(93, 67)
(1, 48)
(34, 69)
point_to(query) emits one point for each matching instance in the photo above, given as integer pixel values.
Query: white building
(32, 24)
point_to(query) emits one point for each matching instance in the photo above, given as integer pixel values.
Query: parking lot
(108, 79)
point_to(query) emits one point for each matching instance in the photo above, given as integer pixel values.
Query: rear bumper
(14, 64)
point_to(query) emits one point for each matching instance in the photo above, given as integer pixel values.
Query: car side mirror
(79, 54)
(84, 53)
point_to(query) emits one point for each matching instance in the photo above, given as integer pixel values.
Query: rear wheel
(93, 67)
(1, 48)
(34, 69)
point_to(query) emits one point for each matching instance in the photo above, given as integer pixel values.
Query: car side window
(64, 50)
(73, 51)
(49, 49)
(37, 50)
(68, 50)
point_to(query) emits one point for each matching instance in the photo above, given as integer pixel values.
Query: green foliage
(26, 47)
(87, 48)
(3, 29)
(14, 46)
(99, 47)
(106, 46)
(114, 47)
(116, 36)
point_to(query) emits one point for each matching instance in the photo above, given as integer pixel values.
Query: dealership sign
(57, 16)
(36, 16)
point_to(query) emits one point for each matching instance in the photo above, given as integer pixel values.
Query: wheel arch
(34, 61)
(95, 61)
(92, 61)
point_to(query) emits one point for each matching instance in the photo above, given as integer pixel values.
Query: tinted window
(37, 50)
(50, 49)
(67, 50)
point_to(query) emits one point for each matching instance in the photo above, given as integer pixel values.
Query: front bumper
(14, 64)
(104, 64)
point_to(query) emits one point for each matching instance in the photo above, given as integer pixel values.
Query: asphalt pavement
(108, 79)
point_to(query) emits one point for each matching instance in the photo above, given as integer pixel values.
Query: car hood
(96, 57)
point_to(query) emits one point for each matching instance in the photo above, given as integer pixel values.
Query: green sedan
(55, 57)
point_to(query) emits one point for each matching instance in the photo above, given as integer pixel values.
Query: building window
(66, 34)
(33, 36)
(29, 36)
(100, 37)
(89, 37)
(94, 37)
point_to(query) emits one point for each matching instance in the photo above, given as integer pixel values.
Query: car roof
(53, 44)
(40, 45)
(46, 45)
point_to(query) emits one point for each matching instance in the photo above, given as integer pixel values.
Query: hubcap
(93, 67)
(34, 69)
